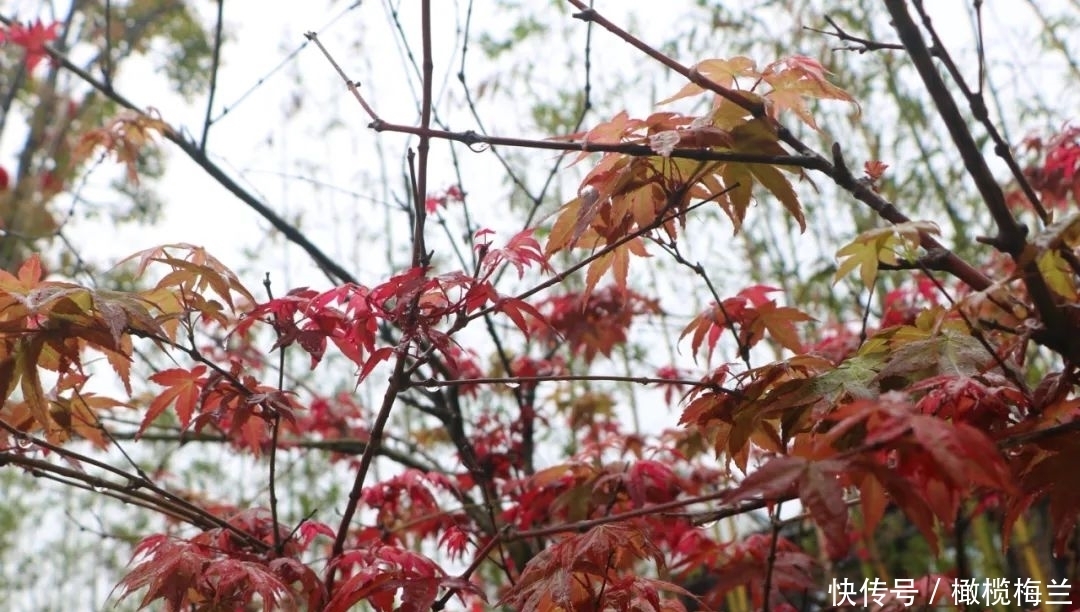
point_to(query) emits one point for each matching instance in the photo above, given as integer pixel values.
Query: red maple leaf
(183, 389)
(31, 37)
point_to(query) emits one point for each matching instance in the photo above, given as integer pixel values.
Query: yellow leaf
(563, 229)
(642, 203)
(32, 391)
(739, 182)
(596, 271)
(879, 245)
(861, 255)
(1058, 274)
(778, 185)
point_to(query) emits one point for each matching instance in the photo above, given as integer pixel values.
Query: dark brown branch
(472, 138)
(39, 468)
(977, 104)
(1011, 236)
(344, 446)
(154, 495)
(1037, 435)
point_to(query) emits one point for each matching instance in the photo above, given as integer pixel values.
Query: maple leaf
(515, 308)
(754, 562)
(748, 315)
(1058, 273)
(183, 390)
(238, 581)
(796, 78)
(32, 38)
(310, 530)
(780, 321)
(454, 541)
(186, 573)
(874, 170)
(434, 202)
(771, 482)
(123, 137)
(924, 464)
(720, 71)
(77, 415)
(593, 324)
(380, 573)
(1049, 470)
(24, 369)
(778, 185)
(168, 570)
(521, 251)
(674, 374)
(880, 246)
(27, 278)
(192, 272)
(822, 494)
(963, 454)
(917, 354)
(617, 261)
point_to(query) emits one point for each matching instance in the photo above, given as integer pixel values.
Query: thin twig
(275, 427)
(214, 69)
(354, 86)
(861, 45)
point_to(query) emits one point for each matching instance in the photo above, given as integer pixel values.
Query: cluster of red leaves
(413, 301)
(1056, 175)
(349, 316)
(903, 304)
(746, 563)
(391, 579)
(452, 194)
(496, 442)
(32, 38)
(521, 251)
(675, 375)
(336, 417)
(407, 504)
(216, 570)
(748, 314)
(593, 323)
(603, 565)
(235, 404)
